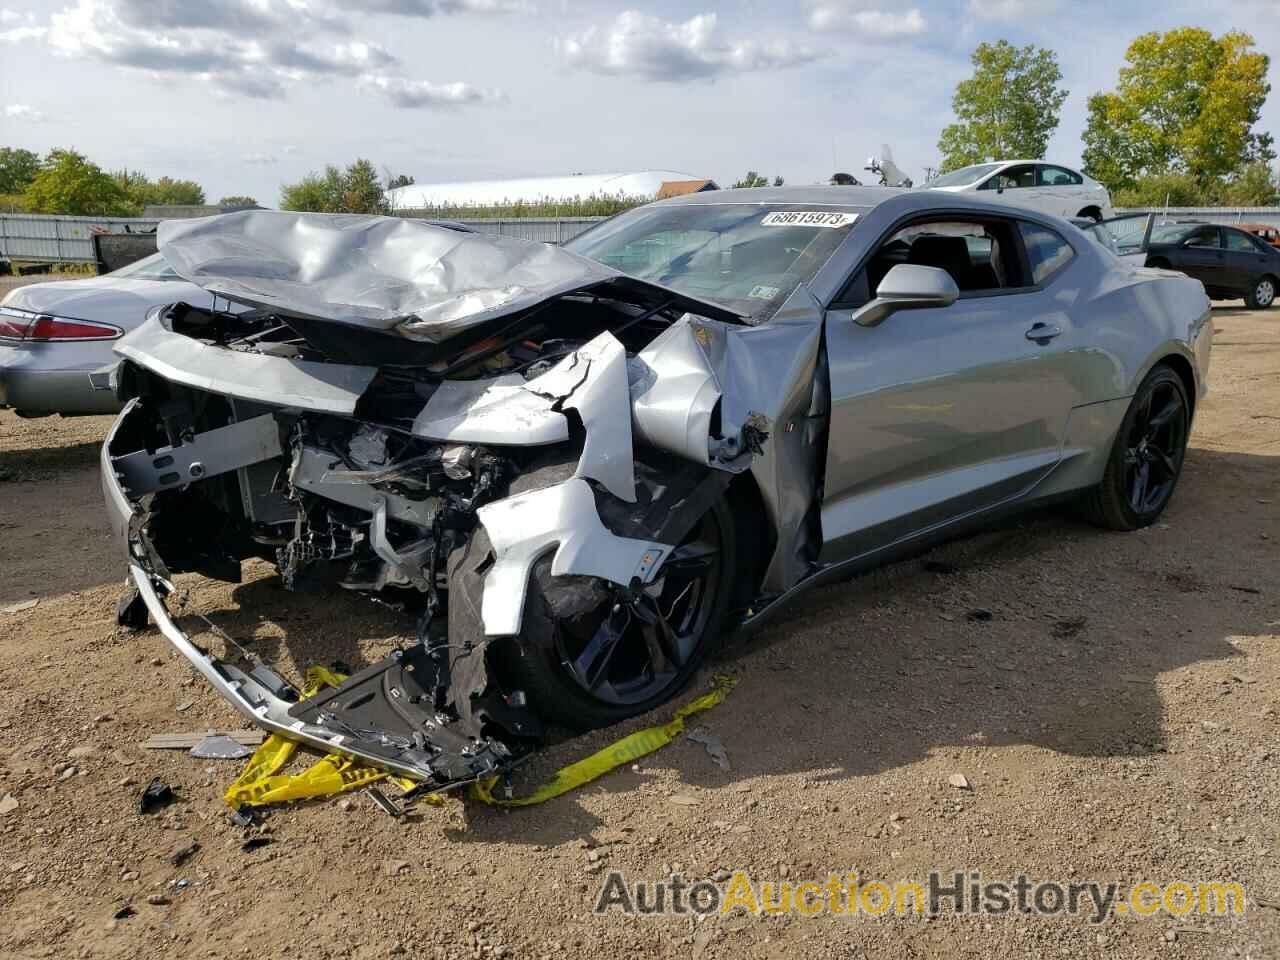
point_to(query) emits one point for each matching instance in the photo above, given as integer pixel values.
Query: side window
(1047, 252)
(1059, 177)
(1203, 237)
(1012, 179)
(980, 255)
(1239, 241)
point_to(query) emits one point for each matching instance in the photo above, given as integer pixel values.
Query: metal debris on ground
(715, 749)
(219, 747)
(185, 741)
(157, 794)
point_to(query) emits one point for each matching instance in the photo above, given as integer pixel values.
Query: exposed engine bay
(556, 462)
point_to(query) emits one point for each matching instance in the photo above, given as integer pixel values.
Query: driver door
(1200, 255)
(941, 412)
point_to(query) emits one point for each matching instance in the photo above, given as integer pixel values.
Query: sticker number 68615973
(808, 218)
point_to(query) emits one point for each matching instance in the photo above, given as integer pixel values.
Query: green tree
(1171, 189)
(402, 180)
(68, 183)
(237, 201)
(354, 190)
(1007, 109)
(1256, 185)
(362, 191)
(1186, 102)
(166, 191)
(752, 179)
(18, 168)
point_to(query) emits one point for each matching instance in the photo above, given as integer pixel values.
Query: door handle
(1042, 333)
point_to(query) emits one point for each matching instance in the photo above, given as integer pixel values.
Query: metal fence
(545, 229)
(47, 239)
(1224, 216)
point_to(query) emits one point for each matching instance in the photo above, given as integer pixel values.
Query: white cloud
(347, 59)
(259, 159)
(642, 45)
(243, 48)
(20, 34)
(866, 19)
(1010, 11)
(431, 8)
(418, 94)
(22, 112)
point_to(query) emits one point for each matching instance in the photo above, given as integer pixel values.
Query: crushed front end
(528, 452)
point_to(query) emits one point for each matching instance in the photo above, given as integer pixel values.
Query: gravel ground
(1115, 718)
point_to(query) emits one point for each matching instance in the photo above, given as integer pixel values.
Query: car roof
(863, 199)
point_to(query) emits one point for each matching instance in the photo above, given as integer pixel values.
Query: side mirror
(908, 286)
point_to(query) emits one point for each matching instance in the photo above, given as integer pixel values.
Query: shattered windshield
(747, 256)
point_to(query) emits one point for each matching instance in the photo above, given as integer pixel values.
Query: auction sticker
(808, 218)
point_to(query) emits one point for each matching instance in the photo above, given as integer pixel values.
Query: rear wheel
(1146, 458)
(1091, 213)
(634, 648)
(1263, 294)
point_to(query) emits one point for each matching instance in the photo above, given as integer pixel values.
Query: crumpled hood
(101, 298)
(389, 274)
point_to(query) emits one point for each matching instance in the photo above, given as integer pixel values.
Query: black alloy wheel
(1153, 449)
(1146, 458)
(633, 649)
(638, 646)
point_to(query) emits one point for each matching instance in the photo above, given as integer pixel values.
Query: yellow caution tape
(626, 750)
(261, 782)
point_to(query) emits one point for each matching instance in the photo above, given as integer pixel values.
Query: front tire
(1263, 294)
(1146, 457)
(630, 650)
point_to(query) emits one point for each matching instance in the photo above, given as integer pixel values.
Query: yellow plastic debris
(261, 783)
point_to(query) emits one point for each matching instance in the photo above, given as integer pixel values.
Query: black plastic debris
(254, 843)
(979, 615)
(156, 796)
(123, 912)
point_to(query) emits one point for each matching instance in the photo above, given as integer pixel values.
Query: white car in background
(1048, 187)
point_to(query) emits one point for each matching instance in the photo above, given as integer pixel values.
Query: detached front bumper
(412, 742)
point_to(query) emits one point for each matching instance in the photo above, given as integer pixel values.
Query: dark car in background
(1231, 263)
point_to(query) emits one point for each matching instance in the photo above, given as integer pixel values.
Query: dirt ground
(1115, 718)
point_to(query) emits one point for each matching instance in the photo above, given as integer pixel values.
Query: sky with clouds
(244, 95)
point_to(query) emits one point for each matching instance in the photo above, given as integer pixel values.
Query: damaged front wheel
(606, 653)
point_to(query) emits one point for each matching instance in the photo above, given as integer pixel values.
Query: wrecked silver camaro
(578, 468)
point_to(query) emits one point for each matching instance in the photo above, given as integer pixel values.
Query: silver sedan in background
(56, 337)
